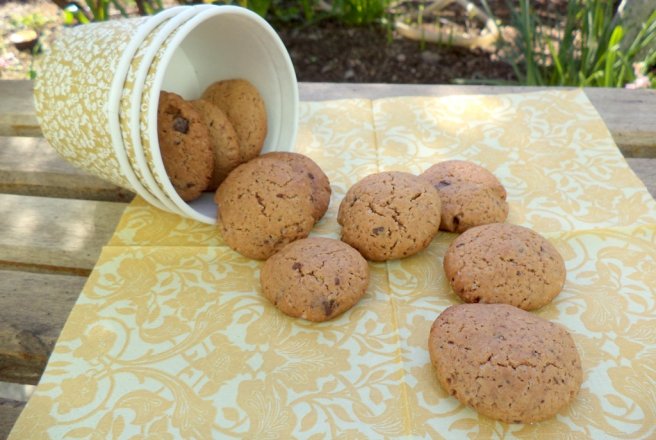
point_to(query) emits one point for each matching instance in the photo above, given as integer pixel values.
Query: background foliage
(588, 46)
(587, 51)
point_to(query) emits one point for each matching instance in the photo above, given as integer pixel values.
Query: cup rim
(134, 107)
(114, 100)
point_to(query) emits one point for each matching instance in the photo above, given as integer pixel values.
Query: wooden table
(54, 219)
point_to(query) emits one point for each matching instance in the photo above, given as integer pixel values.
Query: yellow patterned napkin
(171, 338)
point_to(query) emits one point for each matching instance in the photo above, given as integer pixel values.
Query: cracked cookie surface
(470, 194)
(390, 215)
(506, 363)
(184, 142)
(504, 263)
(263, 205)
(320, 184)
(315, 279)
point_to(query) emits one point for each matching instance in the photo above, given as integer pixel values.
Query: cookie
(184, 142)
(507, 364)
(390, 215)
(264, 205)
(223, 140)
(244, 106)
(504, 263)
(315, 279)
(320, 184)
(470, 194)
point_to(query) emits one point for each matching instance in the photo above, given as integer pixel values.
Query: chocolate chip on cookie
(390, 215)
(184, 143)
(315, 278)
(470, 194)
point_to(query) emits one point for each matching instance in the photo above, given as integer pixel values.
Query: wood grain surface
(34, 309)
(54, 235)
(46, 174)
(629, 114)
(9, 412)
(17, 114)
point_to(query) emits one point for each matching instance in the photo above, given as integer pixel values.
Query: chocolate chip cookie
(184, 143)
(470, 194)
(390, 215)
(244, 106)
(320, 184)
(504, 263)
(507, 364)
(315, 278)
(264, 205)
(223, 140)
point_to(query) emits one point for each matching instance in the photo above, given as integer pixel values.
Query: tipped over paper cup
(98, 90)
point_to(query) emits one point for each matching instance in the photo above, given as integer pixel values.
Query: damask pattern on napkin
(171, 337)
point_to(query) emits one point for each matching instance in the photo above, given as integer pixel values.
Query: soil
(322, 51)
(335, 53)
(43, 15)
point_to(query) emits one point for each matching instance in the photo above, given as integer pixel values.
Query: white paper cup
(129, 106)
(221, 42)
(116, 90)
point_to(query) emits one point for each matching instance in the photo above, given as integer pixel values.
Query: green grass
(350, 12)
(584, 48)
(360, 12)
(99, 10)
(586, 51)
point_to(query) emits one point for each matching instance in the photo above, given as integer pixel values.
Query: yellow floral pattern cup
(171, 338)
(71, 94)
(99, 82)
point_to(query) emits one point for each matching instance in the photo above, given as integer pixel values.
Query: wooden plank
(629, 114)
(645, 169)
(17, 114)
(47, 174)
(9, 412)
(58, 235)
(34, 310)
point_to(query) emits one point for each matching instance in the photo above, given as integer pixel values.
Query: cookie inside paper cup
(223, 42)
(130, 103)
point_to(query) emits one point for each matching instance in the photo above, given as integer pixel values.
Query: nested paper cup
(221, 42)
(72, 91)
(130, 100)
(138, 39)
